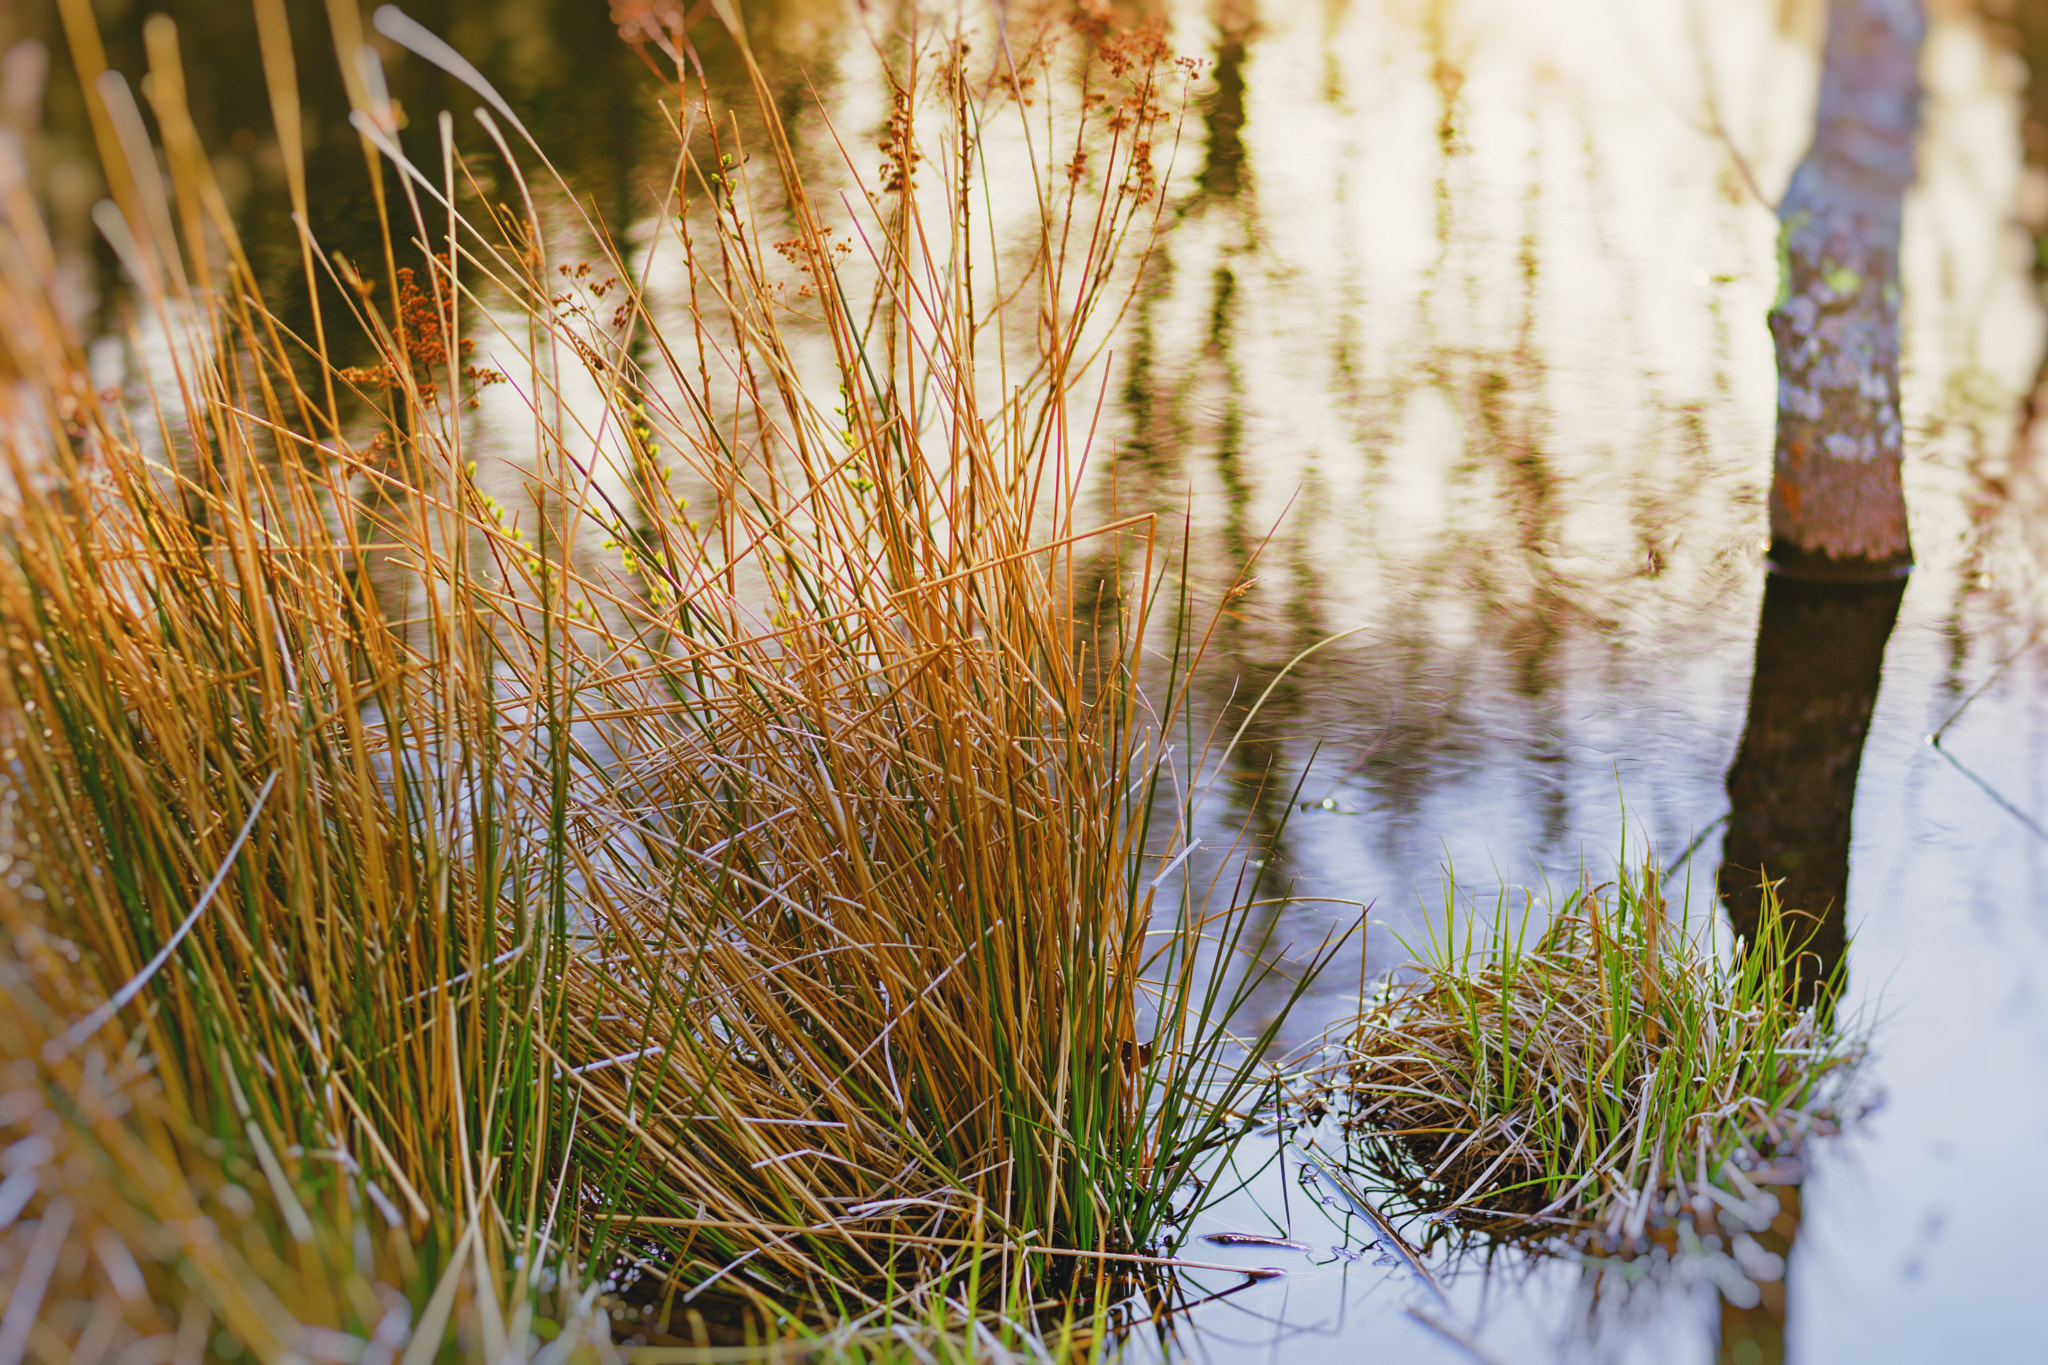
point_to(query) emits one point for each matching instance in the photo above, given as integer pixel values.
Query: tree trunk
(1838, 510)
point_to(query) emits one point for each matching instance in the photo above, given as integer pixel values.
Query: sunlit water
(1457, 336)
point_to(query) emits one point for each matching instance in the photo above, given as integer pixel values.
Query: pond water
(1457, 328)
(1476, 337)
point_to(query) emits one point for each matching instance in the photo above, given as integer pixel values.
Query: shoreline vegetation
(707, 882)
(614, 908)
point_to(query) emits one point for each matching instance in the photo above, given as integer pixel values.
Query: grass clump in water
(1598, 1081)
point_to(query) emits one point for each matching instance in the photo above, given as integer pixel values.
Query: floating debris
(1254, 1239)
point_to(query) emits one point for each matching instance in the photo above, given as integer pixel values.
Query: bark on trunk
(1838, 509)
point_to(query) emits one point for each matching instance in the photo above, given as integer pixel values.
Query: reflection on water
(1791, 791)
(1754, 1333)
(588, 99)
(1455, 340)
(1463, 344)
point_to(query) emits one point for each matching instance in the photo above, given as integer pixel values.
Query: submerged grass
(701, 921)
(1594, 1075)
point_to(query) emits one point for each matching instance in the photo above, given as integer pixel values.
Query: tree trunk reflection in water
(1819, 659)
(1819, 655)
(1755, 1334)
